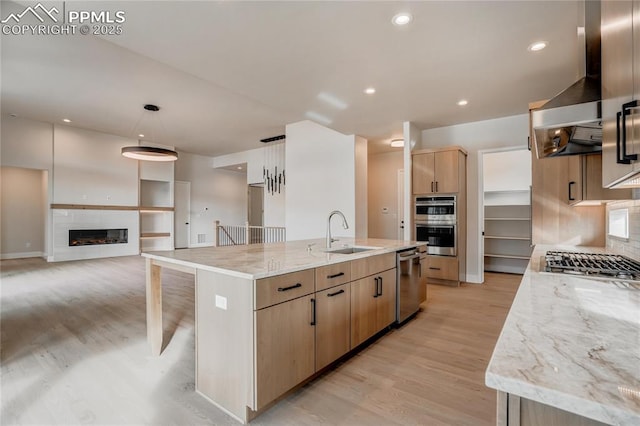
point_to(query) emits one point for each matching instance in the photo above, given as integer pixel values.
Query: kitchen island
(569, 352)
(270, 316)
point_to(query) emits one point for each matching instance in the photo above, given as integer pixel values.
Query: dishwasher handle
(406, 258)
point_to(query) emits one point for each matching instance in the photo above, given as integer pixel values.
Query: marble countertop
(256, 261)
(572, 343)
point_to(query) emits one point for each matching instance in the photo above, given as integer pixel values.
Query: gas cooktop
(593, 265)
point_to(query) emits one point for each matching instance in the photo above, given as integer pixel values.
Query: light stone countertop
(572, 343)
(256, 261)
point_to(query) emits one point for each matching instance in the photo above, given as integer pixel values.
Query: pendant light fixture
(273, 165)
(149, 153)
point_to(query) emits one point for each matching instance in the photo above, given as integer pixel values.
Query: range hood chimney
(570, 123)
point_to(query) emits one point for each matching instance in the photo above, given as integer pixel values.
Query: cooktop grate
(603, 265)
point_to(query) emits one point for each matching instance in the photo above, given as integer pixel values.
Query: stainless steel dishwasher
(412, 290)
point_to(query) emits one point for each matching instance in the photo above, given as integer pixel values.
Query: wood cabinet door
(285, 347)
(574, 183)
(363, 310)
(442, 267)
(386, 301)
(333, 324)
(364, 267)
(423, 173)
(617, 81)
(446, 171)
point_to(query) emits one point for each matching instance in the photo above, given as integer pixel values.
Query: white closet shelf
(507, 256)
(498, 237)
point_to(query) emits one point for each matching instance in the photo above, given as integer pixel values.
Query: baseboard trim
(201, 245)
(473, 279)
(24, 255)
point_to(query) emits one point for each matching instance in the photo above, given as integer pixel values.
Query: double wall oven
(436, 223)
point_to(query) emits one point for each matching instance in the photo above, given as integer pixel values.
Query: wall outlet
(385, 210)
(28, 244)
(221, 302)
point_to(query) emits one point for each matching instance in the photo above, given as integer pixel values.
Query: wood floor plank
(73, 350)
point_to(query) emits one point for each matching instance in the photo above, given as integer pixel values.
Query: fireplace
(88, 237)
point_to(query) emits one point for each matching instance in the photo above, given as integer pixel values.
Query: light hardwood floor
(74, 351)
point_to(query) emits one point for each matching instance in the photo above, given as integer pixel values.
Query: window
(619, 223)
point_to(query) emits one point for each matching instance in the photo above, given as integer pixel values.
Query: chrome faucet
(344, 225)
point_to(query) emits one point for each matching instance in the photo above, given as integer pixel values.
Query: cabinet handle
(434, 268)
(291, 287)
(619, 158)
(436, 186)
(626, 110)
(380, 283)
(432, 187)
(335, 275)
(335, 294)
(570, 185)
(313, 312)
(376, 293)
(529, 143)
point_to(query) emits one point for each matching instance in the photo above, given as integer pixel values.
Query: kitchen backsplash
(630, 247)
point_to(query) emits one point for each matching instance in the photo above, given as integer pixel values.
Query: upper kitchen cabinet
(553, 220)
(438, 171)
(584, 184)
(620, 92)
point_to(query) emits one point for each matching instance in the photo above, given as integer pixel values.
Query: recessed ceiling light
(397, 143)
(141, 135)
(538, 45)
(463, 102)
(66, 120)
(401, 19)
(370, 90)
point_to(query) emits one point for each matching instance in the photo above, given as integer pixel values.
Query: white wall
(361, 185)
(215, 195)
(89, 168)
(274, 204)
(320, 165)
(383, 194)
(23, 212)
(29, 144)
(507, 170)
(254, 158)
(413, 140)
(498, 133)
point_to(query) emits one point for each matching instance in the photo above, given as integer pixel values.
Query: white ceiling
(227, 74)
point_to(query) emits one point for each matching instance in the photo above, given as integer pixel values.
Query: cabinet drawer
(361, 268)
(332, 275)
(442, 267)
(272, 290)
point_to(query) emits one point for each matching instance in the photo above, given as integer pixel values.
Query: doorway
(182, 213)
(255, 205)
(24, 212)
(505, 209)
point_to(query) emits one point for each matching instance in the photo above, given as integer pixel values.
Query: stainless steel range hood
(570, 123)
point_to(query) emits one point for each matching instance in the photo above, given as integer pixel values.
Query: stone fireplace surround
(65, 220)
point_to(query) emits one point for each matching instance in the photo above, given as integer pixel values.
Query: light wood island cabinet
(513, 410)
(261, 334)
(285, 334)
(372, 305)
(333, 324)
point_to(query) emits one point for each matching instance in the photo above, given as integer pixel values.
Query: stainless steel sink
(351, 250)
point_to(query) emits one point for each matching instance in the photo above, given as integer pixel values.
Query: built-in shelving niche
(156, 215)
(507, 231)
